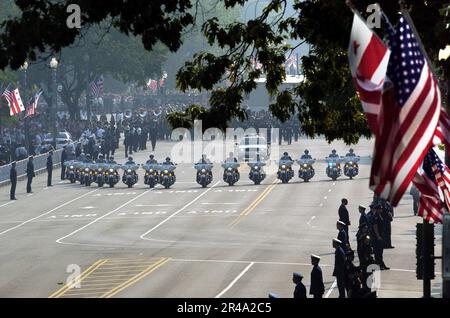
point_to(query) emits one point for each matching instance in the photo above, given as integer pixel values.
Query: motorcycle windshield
(233, 165)
(306, 161)
(287, 163)
(149, 166)
(132, 167)
(170, 168)
(351, 159)
(206, 166)
(256, 164)
(332, 161)
(73, 163)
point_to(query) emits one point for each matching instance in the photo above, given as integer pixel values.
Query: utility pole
(54, 67)
(24, 69)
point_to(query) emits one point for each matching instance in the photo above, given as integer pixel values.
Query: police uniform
(300, 289)
(339, 267)
(317, 287)
(49, 169)
(343, 237)
(13, 179)
(30, 174)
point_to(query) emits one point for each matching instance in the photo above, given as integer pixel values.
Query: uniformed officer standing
(300, 289)
(339, 267)
(49, 168)
(317, 287)
(13, 179)
(378, 240)
(30, 173)
(343, 236)
(63, 160)
(343, 214)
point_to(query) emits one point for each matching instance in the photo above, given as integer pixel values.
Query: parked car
(62, 138)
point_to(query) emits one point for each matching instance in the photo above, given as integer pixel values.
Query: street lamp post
(54, 67)
(88, 90)
(24, 68)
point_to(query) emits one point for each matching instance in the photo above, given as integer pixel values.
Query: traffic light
(425, 251)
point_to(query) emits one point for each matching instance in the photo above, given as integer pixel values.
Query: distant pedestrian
(416, 197)
(339, 267)
(13, 179)
(30, 173)
(49, 168)
(317, 287)
(63, 160)
(343, 214)
(300, 289)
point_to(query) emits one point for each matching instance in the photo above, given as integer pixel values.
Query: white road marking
(325, 198)
(309, 222)
(61, 182)
(177, 212)
(331, 289)
(87, 207)
(43, 214)
(321, 205)
(235, 280)
(329, 190)
(219, 203)
(101, 217)
(152, 205)
(7, 203)
(334, 183)
(29, 195)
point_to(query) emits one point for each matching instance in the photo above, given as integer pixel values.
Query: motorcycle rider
(101, 159)
(152, 160)
(286, 156)
(232, 159)
(306, 155)
(168, 162)
(350, 153)
(130, 161)
(111, 160)
(333, 154)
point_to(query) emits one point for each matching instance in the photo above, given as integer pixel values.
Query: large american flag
(97, 87)
(368, 57)
(32, 104)
(437, 171)
(408, 118)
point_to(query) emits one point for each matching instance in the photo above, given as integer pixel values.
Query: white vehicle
(251, 146)
(62, 138)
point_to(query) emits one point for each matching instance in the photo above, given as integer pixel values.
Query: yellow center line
(83, 275)
(136, 278)
(254, 204)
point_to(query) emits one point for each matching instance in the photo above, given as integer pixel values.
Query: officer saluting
(49, 168)
(30, 173)
(317, 288)
(300, 289)
(13, 179)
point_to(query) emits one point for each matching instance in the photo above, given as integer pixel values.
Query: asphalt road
(240, 241)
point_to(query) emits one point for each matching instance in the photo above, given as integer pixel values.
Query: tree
(327, 104)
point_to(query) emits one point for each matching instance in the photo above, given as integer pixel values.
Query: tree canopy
(327, 102)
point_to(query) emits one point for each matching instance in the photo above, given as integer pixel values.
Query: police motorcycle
(306, 170)
(72, 170)
(333, 169)
(351, 168)
(204, 173)
(231, 172)
(111, 174)
(86, 174)
(257, 174)
(99, 174)
(151, 177)
(130, 177)
(285, 172)
(167, 174)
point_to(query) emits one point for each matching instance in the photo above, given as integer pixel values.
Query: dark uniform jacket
(49, 163)
(317, 286)
(343, 237)
(343, 215)
(300, 291)
(13, 175)
(30, 170)
(339, 262)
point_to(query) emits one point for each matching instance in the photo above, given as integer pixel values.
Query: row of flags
(97, 87)
(15, 103)
(402, 103)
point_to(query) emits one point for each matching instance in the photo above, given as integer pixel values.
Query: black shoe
(384, 268)
(390, 247)
(49, 185)
(13, 199)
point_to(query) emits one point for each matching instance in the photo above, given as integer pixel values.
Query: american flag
(408, 118)
(32, 104)
(437, 171)
(14, 101)
(368, 57)
(97, 87)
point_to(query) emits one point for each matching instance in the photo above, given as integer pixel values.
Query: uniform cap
(362, 206)
(314, 256)
(297, 275)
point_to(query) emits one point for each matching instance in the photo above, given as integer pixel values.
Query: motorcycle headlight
(90, 172)
(305, 165)
(111, 170)
(229, 169)
(256, 168)
(203, 170)
(170, 174)
(151, 170)
(283, 166)
(71, 167)
(86, 170)
(330, 164)
(129, 170)
(350, 163)
(100, 169)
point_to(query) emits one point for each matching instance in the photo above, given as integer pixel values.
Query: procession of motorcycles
(106, 172)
